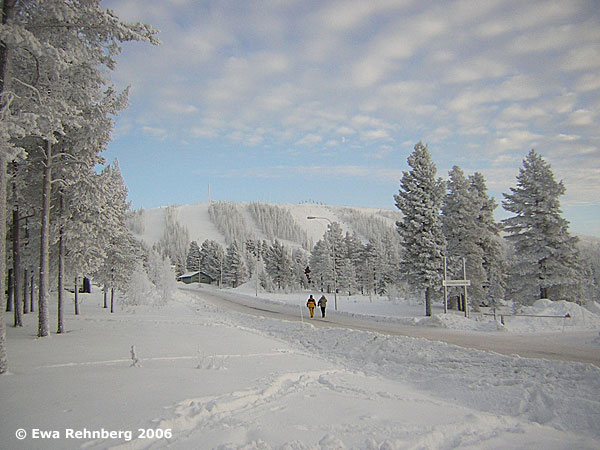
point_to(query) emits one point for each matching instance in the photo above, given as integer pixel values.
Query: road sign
(453, 283)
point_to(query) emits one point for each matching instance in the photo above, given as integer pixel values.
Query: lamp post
(334, 269)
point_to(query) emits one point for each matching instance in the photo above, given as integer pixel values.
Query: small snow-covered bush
(153, 284)
(162, 276)
(140, 290)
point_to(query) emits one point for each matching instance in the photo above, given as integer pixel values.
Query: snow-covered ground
(211, 378)
(543, 316)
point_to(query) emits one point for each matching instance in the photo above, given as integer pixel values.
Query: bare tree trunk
(61, 274)
(76, 295)
(105, 296)
(16, 251)
(428, 301)
(25, 292)
(8, 14)
(3, 182)
(31, 296)
(112, 300)
(44, 295)
(9, 291)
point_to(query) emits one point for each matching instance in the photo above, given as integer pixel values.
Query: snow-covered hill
(196, 219)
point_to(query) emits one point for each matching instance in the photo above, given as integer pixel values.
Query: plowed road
(566, 346)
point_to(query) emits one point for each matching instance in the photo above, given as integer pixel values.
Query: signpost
(456, 283)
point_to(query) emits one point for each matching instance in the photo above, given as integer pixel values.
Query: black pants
(322, 311)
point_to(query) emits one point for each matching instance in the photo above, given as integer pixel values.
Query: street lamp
(334, 269)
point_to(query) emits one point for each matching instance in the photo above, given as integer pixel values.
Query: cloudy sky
(302, 100)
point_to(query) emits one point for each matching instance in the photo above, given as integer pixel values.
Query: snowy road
(565, 346)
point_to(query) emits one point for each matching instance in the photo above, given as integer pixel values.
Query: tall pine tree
(460, 223)
(193, 257)
(420, 199)
(489, 238)
(546, 254)
(235, 271)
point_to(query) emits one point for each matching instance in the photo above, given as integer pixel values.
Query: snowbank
(546, 315)
(411, 312)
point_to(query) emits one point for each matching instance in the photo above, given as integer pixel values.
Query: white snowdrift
(543, 316)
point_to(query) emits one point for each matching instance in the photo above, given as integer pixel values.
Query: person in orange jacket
(311, 304)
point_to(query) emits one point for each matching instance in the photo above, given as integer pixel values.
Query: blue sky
(300, 100)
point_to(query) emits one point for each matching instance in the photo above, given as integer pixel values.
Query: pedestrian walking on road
(323, 304)
(311, 304)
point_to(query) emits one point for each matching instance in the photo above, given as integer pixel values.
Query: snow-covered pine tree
(489, 239)
(193, 257)
(547, 257)
(460, 224)
(58, 53)
(212, 260)
(590, 260)
(235, 271)
(353, 251)
(121, 250)
(368, 269)
(10, 129)
(279, 265)
(347, 277)
(420, 199)
(299, 264)
(321, 266)
(327, 256)
(390, 263)
(84, 233)
(161, 275)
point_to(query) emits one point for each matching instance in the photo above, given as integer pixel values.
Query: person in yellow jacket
(311, 304)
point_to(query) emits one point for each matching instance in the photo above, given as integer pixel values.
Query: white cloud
(582, 117)
(180, 108)
(568, 137)
(517, 112)
(155, 131)
(527, 15)
(516, 140)
(374, 174)
(588, 82)
(556, 38)
(344, 130)
(582, 58)
(310, 139)
(376, 134)
(475, 70)
(516, 88)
